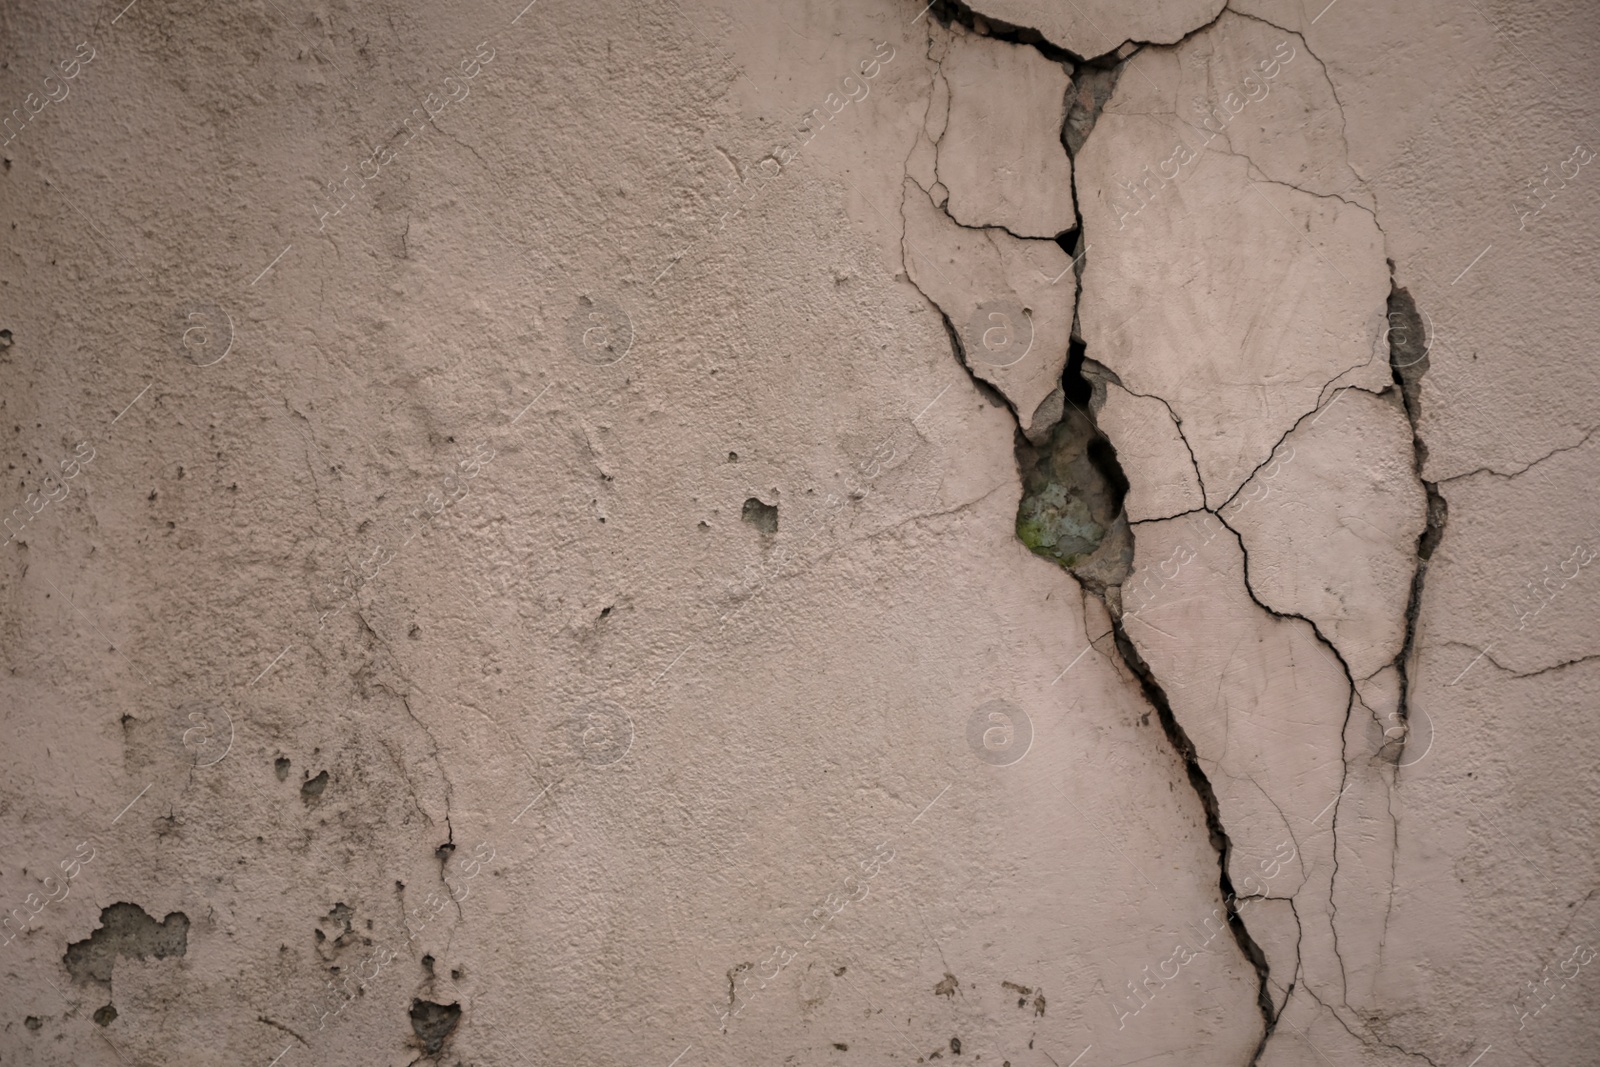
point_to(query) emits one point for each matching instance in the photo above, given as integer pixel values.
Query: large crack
(1179, 739)
(1078, 474)
(1408, 358)
(1072, 507)
(953, 11)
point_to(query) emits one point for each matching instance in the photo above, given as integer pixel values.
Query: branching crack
(1094, 370)
(1366, 1042)
(1220, 841)
(1072, 509)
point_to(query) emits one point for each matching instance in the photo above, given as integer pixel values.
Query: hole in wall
(125, 930)
(434, 1023)
(313, 787)
(762, 516)
(1073, 490)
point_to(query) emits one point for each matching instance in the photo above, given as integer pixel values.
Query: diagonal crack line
(1508, 475)
(1177, 424)
(1372, 1042)
(1185, 748)
(1103, 584)
(1349, 676)
(1314, 414)
(1516, 674)
(955, 11)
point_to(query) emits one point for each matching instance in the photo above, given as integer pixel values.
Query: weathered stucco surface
(1044, 532)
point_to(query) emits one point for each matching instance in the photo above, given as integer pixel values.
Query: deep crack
(953, 11)
(1072, 506)
(1181, 743)
(1408, 358)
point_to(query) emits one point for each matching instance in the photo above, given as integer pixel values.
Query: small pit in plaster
(337, 927)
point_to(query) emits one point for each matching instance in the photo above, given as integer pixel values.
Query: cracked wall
(1017, 531)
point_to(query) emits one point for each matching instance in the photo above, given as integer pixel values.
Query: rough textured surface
(1024, 533)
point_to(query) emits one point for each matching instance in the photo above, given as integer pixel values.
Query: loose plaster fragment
(1331, 526)
(1246, 87)
(1001, 154)
(974, 275)
(1261, 698)
(1091, 28)
(1235, 300)
(1274, 926)
(1092, 86)
(1150, 446)
(1379, 694)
